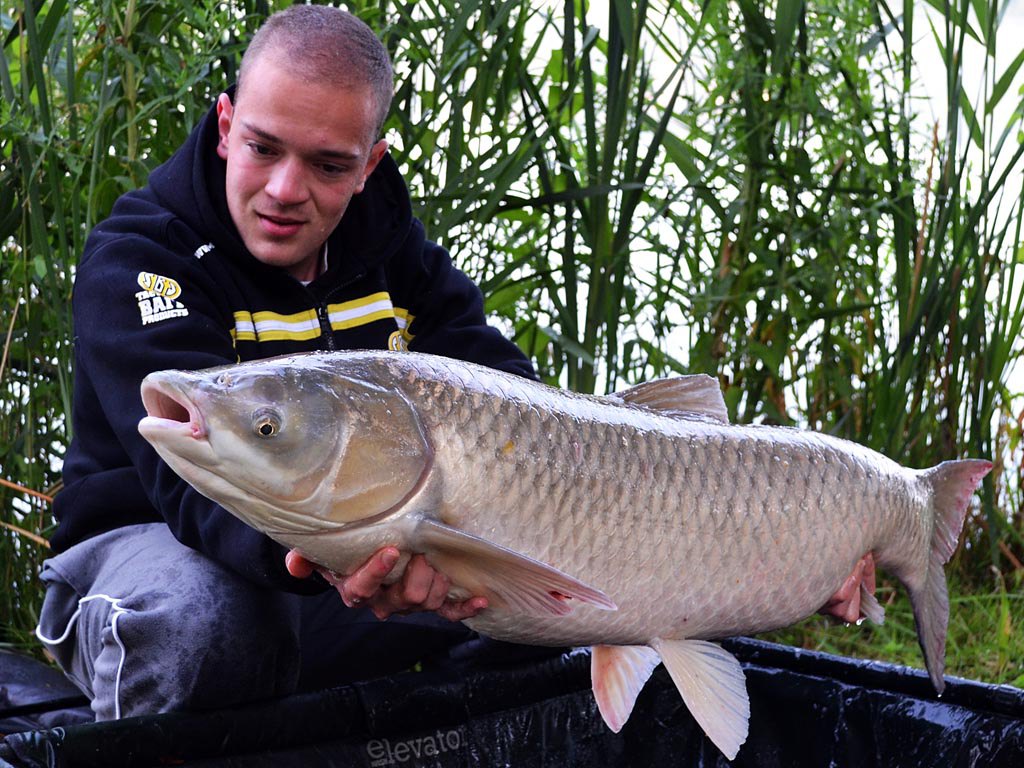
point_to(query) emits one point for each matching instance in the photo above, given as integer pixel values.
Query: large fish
(641, 523)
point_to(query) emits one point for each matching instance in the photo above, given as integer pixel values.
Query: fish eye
(266, 424)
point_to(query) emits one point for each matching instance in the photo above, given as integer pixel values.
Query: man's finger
(852, 612)
(851, 586)
(869, 572)
(845, 603)
(381, 610)
(438, 592)
(365, 582)
(416, 584)
(466, 609)
(297, 565)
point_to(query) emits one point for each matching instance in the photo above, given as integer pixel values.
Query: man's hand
(845, 603)
(420, 588)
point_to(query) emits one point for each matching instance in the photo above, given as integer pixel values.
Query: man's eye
(259, 149)
(333, 170)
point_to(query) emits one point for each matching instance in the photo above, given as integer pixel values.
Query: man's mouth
(279, 226)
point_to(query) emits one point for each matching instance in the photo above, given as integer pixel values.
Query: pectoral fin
(504, 577)
(713, 686)
(618, 673)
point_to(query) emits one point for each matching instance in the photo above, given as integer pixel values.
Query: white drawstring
(117, 611)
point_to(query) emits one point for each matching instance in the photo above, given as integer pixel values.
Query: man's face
(296, 153)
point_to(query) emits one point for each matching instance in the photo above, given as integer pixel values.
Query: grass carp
(641, 523)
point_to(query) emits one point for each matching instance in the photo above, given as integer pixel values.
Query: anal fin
(506, 578)
(714, 688)
(870, 608)
(618, 674)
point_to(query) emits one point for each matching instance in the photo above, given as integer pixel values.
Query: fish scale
(730, 505)
(641, 524)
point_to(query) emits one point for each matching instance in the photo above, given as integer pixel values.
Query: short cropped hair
(329, 45)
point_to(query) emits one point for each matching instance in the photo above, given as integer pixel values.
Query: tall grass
(93, 96)
(749, 189)
(723, 187)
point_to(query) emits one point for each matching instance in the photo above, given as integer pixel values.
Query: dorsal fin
(682, 395)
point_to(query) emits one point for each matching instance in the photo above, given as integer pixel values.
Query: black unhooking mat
(807, 709)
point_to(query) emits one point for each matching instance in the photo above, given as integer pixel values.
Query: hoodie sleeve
(447, 316)
(139, 307)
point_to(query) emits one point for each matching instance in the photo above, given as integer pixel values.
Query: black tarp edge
(831, 710)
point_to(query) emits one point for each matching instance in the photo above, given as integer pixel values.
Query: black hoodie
(166, 282)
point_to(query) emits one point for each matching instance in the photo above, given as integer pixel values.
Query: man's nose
(287, 182)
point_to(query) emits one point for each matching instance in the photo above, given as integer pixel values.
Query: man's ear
(225, 110)
(377, 151)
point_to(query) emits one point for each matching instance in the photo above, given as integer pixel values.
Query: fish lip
(166, 404)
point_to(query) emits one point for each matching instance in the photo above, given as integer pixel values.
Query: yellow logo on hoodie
(158, 298)
(160, 285)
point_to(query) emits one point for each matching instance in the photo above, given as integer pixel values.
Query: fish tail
(952, 483)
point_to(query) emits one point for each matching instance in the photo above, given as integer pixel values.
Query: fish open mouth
(168, 408)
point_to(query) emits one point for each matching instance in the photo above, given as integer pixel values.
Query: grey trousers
(142, 624)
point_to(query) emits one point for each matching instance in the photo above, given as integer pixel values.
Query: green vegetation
(984, 642)
(755, 190)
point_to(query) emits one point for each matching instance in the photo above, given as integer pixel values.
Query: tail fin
(952, 483)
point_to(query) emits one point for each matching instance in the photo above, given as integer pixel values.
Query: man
(280, 226)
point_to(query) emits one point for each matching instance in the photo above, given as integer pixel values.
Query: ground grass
(985, 640)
